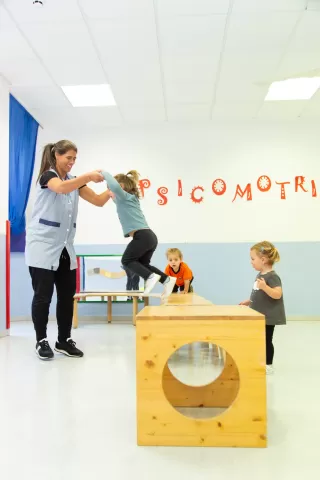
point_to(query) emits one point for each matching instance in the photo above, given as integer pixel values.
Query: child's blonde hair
(174, 251)
(268, 250)
(130, 182)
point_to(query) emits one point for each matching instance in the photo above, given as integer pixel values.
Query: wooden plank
(123, 293)
(109, 316)
(75, 320)
(186, 299)
(193, 312)
(134, 309)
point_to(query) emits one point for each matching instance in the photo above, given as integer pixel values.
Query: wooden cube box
(241, 388)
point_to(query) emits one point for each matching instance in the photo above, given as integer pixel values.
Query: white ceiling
(166, 60)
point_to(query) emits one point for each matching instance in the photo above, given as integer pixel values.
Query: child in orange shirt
(177, 268)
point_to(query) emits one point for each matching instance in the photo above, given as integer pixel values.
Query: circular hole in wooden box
(200, 380)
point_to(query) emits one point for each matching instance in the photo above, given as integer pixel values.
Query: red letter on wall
(299, 181)
(314, 188)
(193, 197)
(283, 192)
(144, 184)
(162, 191)
(219, 186)
(241, 193)
(179, 188)
(264, 183)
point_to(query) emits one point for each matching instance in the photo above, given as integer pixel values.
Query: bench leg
(134, 309)
(75, 313)
(109, 309)
(146, 301)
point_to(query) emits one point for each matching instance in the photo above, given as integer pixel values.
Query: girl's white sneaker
(151, 282)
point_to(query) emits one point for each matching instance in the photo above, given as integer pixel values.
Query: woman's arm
(90, 196)
(67, 186)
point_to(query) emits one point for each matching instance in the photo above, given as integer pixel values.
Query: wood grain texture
(158, 422)
(123, 293)
(186, 299)
(75, 320)
(194, 312)
(219, 394)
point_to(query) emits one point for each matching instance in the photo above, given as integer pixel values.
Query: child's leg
(145, 260)
(135, 281)
(269, 344)
(129, 278)
(142, 243)
(137, 258)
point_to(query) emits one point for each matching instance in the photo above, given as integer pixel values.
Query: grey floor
(75, 418)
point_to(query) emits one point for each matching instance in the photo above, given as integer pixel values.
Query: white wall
(4, 162)
(198, 155)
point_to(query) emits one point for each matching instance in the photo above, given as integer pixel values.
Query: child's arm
(272, 292)
(186, 286)
(187, 278)
(114, 186)
(245, 303)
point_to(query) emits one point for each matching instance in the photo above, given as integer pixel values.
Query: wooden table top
(186, 299)
(199, 312)
(123, 293)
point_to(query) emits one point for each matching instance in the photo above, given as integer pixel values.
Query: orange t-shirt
(184, 273)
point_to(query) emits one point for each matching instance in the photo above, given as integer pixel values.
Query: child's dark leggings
(138, 254)
(269, 344)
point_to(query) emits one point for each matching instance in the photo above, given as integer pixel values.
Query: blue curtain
(23, 132)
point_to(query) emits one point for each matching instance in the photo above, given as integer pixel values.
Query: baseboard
(83, 319)
(4, 333)
(303, 318)
(128, 318)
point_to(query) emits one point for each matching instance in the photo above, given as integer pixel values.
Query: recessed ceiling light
(293, 89)
(90, 95)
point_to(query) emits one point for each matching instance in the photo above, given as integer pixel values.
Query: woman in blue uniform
(50, 253)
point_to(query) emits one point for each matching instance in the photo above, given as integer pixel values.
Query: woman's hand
(95, 176)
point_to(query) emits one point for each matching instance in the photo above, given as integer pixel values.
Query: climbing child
(266, 296)
(180, 270)
(138, 254)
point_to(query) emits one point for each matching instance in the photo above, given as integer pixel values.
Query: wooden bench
(82, 296)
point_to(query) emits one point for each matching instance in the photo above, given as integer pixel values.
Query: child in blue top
(138, 254)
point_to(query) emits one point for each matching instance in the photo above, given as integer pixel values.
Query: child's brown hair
(130, 182)
(174, 251)
(268, 250)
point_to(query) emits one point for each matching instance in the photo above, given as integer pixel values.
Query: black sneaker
(68, 347)
(43, 350)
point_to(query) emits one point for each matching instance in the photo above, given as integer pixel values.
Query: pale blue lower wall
(222, 272)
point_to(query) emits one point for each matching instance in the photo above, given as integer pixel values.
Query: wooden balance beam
(186, 299)
(240, 390)
(110, 295)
